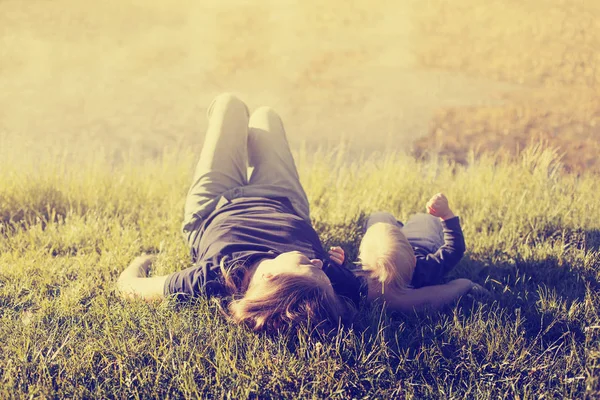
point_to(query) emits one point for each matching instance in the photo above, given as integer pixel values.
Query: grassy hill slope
(533, 239)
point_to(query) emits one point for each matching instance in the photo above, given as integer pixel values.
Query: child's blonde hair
(386, 256)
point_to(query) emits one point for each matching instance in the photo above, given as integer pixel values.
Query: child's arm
(428, 297)
(438, 207)
(433, 266)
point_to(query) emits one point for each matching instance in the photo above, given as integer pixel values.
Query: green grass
(69, 225)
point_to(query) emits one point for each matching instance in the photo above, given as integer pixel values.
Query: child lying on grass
(404, 264)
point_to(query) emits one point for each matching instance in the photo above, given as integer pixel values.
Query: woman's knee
(225, 102)
(265, 117)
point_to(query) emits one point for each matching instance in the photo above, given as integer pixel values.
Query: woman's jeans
(242, 156)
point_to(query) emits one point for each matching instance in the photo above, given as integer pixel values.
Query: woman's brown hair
(288, 302)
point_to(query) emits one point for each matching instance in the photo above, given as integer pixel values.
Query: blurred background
(431, 76)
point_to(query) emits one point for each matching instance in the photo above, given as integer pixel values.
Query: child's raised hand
(438, 207)
(337, 255)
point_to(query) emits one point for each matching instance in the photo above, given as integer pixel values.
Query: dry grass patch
(550, 47)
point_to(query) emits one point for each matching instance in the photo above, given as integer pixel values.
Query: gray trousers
(422, 230)
(242, 156)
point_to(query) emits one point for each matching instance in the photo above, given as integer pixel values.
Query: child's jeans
(422, 230)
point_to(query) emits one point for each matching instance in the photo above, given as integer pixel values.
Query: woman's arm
(432, 297)
(344, 281)
(134, 281)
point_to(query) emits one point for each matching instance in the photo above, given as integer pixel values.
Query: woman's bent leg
(223, 160)
(275, 172)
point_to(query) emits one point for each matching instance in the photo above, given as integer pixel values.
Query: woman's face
(292, 263)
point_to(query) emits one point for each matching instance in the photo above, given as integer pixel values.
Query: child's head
(386, 256)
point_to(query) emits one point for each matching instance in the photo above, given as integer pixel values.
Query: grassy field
(533, 239)
(100, 113)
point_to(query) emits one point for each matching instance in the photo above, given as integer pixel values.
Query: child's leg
(223, 160)
(381, 216)
(275, 173)
(424, 231)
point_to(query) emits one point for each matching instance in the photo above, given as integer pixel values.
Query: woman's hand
(479, 293)
(337, 255)
(139, 267)
(134, 281)
(438, 207)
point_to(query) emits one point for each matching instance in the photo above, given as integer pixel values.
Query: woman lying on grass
(404, 265)
(250, 234)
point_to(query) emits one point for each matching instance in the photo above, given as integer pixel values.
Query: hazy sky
(143, 73)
